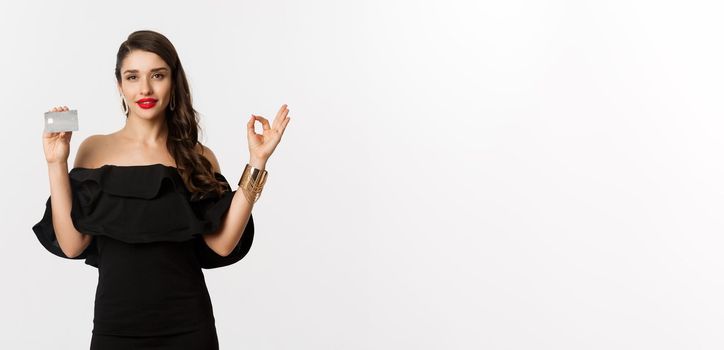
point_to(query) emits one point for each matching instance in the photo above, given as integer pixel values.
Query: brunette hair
(183, 121)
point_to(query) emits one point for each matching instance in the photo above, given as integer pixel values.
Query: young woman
(147, 205)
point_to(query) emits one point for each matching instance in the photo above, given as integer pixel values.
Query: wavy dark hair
(183, 122)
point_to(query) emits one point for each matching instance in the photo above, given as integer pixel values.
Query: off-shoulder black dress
(149, 250)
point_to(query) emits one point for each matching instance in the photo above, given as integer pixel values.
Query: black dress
(148, 248)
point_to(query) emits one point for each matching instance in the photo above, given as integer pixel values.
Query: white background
(455, 175)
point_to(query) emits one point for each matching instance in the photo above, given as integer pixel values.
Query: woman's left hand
(262, 146)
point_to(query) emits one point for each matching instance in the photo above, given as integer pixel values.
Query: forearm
(234, 223)
(70, 240)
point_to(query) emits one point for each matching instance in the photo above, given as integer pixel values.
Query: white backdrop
(455, 175)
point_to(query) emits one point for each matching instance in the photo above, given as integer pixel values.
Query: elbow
(68, 251)
(231, 250)
(226, 252)
(77, 249)
(218, 245)
(72, 254)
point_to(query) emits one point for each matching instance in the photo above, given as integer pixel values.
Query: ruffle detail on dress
(142, 204)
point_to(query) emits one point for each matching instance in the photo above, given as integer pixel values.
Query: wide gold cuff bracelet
(252, 182)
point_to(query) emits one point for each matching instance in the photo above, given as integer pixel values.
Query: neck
(150, 132)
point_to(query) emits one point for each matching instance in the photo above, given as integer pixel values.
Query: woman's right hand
(57, 144)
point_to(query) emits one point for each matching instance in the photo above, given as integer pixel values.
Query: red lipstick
(147, 103)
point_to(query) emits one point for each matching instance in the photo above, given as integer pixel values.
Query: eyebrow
(152, 70)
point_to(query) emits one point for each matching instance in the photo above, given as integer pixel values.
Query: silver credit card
(61, 121)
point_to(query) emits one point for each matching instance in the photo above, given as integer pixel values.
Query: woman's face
(145, 75)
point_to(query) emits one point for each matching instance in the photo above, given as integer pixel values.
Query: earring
(173, 102)
(125, 106)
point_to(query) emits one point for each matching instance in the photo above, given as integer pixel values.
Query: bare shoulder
(206, 152)
(88, 151)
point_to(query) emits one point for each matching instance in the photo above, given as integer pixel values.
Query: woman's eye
(133, 76)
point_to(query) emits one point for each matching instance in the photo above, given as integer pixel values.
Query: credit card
(61, 121)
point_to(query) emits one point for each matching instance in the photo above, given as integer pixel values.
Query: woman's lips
(147, 104)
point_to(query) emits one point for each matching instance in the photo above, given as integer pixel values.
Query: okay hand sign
(262, 146)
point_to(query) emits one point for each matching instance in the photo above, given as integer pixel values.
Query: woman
(148, 206)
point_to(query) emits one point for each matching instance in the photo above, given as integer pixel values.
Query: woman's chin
(149, 114)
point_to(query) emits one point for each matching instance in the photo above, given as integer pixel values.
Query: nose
(146, 87)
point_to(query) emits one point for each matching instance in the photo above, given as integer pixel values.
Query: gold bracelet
(252, 183)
